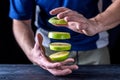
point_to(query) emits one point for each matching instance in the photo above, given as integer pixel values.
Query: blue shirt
(22, 10)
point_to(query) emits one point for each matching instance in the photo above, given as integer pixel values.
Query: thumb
(39, 41)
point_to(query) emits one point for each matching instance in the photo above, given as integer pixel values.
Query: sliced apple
(56, 21)
(59, 56)
(59, 35)
(60, 46)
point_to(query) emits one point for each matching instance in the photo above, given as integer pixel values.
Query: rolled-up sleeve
(21, 9)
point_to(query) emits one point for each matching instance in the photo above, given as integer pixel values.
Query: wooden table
(85, 72)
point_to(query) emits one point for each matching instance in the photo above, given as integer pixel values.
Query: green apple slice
(59, 35)
(59, 56)
(56, 21)
(60, 46)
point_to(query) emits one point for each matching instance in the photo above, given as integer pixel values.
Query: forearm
(24, 35)
(110, 18)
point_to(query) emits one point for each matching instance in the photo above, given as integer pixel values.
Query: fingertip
(39, 36)
(51, 12)
(66, 19)
(68, 71)
(71, 59)
(53, 65)
(76, 67)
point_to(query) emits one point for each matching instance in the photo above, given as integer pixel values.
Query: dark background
(11, 53)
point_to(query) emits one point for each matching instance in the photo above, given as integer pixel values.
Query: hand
(76, 21)
(56, 68)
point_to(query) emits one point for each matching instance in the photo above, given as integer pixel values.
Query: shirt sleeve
(21, 9)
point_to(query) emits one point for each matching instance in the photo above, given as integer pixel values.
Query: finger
(37, 46)
(39, 38)
(72, 67)
(48, 64)
(85, 32)
(69, 60)
(51, 65)
(75, 19)
(58, 10)
(39, 41)
(57, 72)
(67, 13)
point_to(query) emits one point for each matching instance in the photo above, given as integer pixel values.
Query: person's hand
(38, 57)
(76, 21)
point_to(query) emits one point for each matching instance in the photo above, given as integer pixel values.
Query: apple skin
(59, 56)
(55, 21)
(60, 46)
(59, 35)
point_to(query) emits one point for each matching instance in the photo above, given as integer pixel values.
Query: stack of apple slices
(62, 48)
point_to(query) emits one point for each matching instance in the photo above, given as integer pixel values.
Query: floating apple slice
(56, 21)
(60, 46)
(59, 56)
(59, 35)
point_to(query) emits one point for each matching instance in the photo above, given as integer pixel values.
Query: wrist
(106, 20)
(99, 26)
(29, 55)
